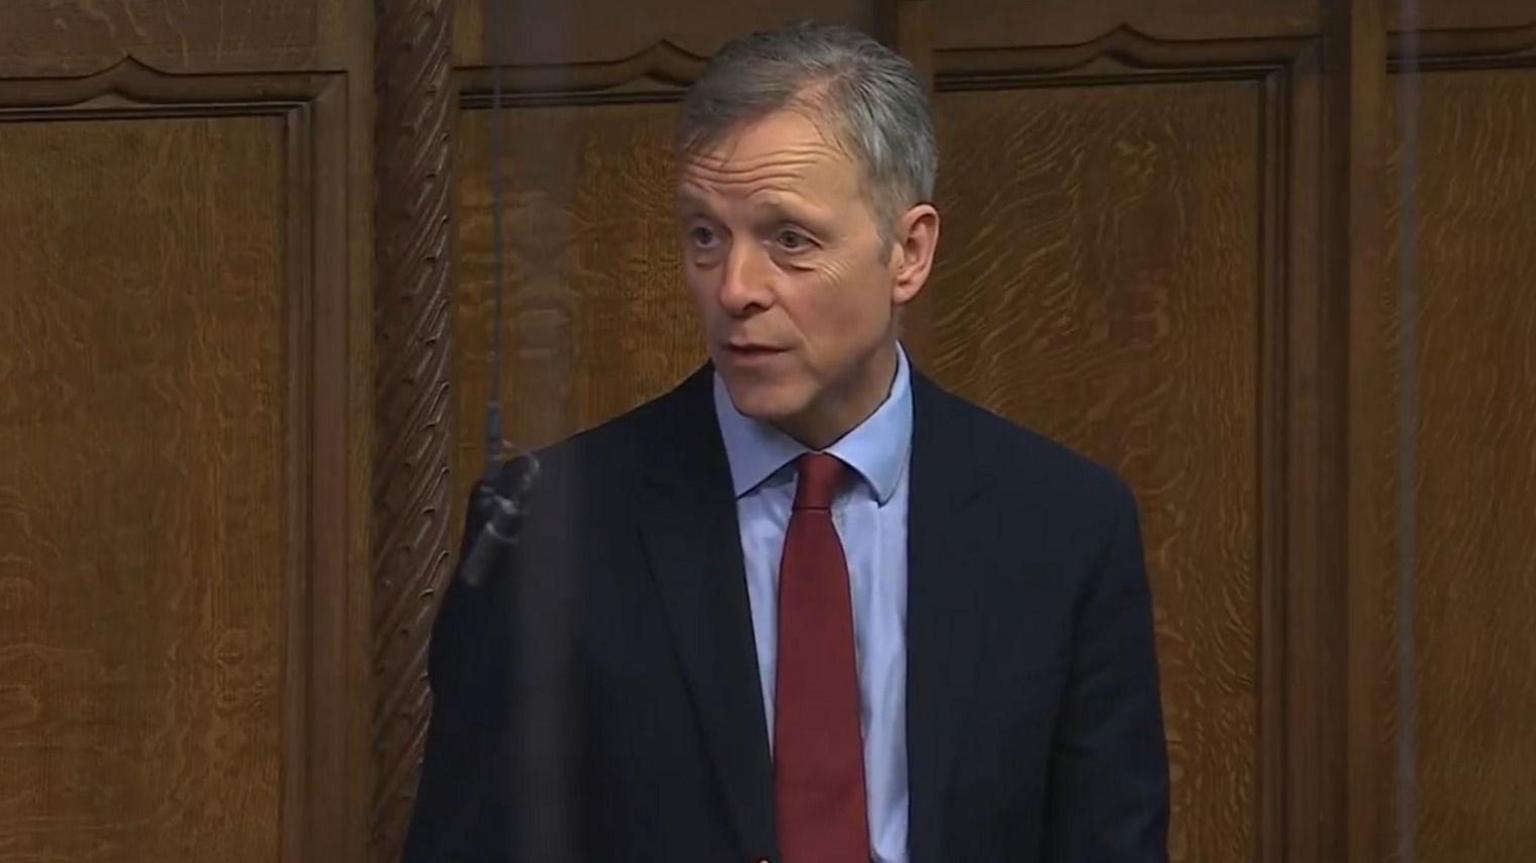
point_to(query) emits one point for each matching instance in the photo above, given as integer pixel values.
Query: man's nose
(745, 285)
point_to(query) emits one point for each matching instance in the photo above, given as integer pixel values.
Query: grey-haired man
(808, 606)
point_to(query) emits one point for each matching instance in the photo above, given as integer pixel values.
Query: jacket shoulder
(616, 448)
(1025, 458)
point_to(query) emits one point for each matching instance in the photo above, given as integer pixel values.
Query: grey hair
(874, 98)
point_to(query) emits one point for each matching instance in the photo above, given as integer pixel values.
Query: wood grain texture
(412, 428)
(143, 493)
(1099, 281)
(1347, 821)
(586, 31)
(1465, 14)
(1463, 47)
(1302, 738)
(991, 23)
(1115, 56)
(74, 37)
(1475, 580)
(598, 320)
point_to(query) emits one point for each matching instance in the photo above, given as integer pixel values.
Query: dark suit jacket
(599, 700)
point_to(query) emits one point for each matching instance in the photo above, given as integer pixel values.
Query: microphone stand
(500, 513)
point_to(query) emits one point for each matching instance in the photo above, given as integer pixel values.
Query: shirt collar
(878, 448)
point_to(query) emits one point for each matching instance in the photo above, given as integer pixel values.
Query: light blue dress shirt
(871, 518)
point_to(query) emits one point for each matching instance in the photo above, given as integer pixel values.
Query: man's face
(796, 287)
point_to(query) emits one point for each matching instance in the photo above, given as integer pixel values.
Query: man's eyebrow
(789, 209)
(782, 210)
(689, 202)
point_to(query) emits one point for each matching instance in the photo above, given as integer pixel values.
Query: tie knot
(821, 476)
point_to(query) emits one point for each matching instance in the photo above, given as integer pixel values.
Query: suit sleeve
(1107, 799)
(495, 786)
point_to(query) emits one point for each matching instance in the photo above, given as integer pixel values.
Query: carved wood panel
(579, 32)
(412, 420)
(175, 529)
(47, 37)
(141, 469)
(962, 24)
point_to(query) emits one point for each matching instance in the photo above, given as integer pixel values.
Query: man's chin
(763, 401)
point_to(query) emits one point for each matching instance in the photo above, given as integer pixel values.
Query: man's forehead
(695, 198)
(797, 133)
(772, 183)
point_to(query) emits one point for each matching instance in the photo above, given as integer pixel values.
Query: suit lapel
(688, 524)
(946, 552)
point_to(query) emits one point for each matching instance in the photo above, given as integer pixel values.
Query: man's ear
(914, 241)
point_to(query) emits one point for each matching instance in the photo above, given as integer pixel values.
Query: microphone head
(499, 504)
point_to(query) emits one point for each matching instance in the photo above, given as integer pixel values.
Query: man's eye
(703, 237)
(792, 241)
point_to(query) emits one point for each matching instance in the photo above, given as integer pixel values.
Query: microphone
(501, 515)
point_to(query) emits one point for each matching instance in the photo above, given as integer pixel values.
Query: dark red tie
(818, 746)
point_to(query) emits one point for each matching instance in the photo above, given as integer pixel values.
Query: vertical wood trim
(299, 668)
(907, 26)
(1314, 742)
(1278, 278)
(1271, 513)
(1363, 221)
(412, 329)
(345, 40)
(338, 685)
(298, 619)
(1350, 373)
(1336, 653)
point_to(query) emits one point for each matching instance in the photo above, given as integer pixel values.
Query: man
(807, 606)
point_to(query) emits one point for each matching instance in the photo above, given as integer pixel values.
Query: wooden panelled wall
(184, 430)
(1253, 254)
